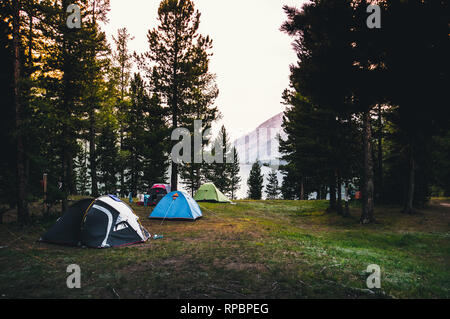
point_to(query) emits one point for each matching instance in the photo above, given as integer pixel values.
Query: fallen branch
(325, 267)
(114, 291)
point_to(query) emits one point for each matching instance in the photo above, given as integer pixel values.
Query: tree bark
(302, 189)
(174, 177)
(30, 34)
(64, 181)
(339, 194)
(92, 155)
(122, 170)
(408, 208)
(65, 103)
(71, 176)
(332, 206)
(380, 154)
(346, 208)
(134, 174)
(322, 192)
(22, 205)
(367, 191)
(174, 171)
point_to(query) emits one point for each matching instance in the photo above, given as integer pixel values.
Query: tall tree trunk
(332, 206)
(135, 175)
(380, 154)
(367, 191)
(302, 189)
(339, 193)
(30, 34)
(71, 175)
(92, 155)
(65, 103)
(174, 177)
(122, 95)
(408, 208)
(174, 172)
(122, 170)
(346, 208)
(64, 181)
(322, 192)
(22, 205)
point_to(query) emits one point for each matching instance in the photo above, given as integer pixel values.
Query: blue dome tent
(177, 205)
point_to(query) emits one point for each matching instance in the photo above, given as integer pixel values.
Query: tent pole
(167, 211)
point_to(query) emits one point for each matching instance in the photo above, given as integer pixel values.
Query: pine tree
(70, 51)
(318, 121)
(70, 79)
(22, 205)
(121, 69)
(178, 67)
(156, 144)
(234, 169)
(135, 133)
(82, 169)
(272, 188)
(193, 176)
(255, 182)
(290, 186)
(419, 115)
(95, 64)
(8, 164)
(107, 152)
(122, 63)
(218, 172)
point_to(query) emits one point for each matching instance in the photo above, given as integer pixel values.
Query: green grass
(254, 249)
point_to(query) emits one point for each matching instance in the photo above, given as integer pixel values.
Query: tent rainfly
(102, 222)
(208, 192)
(177, 205)
(157, 192)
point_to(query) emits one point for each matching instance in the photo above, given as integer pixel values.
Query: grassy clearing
(254, 249)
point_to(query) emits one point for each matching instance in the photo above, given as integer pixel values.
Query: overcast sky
(251, 57)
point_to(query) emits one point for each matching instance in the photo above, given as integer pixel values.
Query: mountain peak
(275, 121)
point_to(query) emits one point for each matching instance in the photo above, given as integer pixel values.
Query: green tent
(208, 192)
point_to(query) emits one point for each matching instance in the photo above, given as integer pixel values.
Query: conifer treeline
(75, 108)
(365, 108)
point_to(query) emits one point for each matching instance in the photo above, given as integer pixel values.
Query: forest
(361, 190)
(75, 110)
(364, 109)
(366, 106)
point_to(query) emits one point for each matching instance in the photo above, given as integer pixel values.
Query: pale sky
(251, 56)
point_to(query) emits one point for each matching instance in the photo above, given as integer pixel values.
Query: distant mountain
(260, 144)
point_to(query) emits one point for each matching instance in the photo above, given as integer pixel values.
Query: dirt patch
(240, 266)
(172, 263)
(245, 266)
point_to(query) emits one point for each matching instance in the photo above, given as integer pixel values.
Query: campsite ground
(254, 249)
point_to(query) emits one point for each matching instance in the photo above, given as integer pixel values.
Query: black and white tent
(103, 222)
